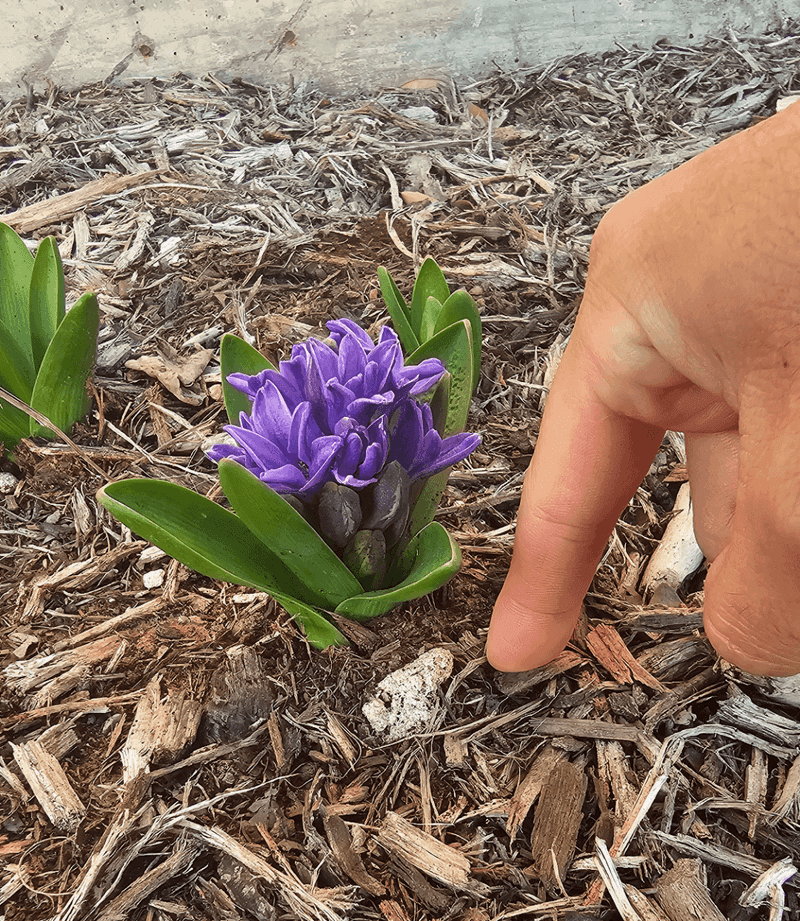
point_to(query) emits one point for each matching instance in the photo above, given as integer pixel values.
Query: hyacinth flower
(333, 468)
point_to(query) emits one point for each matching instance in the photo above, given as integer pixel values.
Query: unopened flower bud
(387, 500)
(365, 557)
(339, 513)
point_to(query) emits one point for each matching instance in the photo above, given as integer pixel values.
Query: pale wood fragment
(768, 889)
(788, 803)
(683, 894)
(434, 858)
(183, 853)
(78, 575)
(613, 767)
(741, 711)
(646, 908)
(50, 785)
(307, 902)
(557, 819)
(610, 876)
(678, 554)
(160, 729)
(756, 775)
(51, 210)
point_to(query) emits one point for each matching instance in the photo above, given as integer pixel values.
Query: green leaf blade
(199, 533)
(453, 346)
(47, 301)
(288, 536)
(60, 388)
(238, 356)
(17, 373)
(430, 283)
(460, 306)
(398, 311)
(431, 559)
(320, 631)
(430, 315)
(16, 267)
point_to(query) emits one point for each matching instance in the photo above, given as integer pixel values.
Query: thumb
(752, 591)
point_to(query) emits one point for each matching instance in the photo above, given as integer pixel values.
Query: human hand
(690, 321)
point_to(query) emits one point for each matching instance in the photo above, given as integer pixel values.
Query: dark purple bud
(387, 500)
(339, 513)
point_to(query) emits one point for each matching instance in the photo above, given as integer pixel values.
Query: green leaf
(16, 368)
(427, 502)
(47, 307)
(453, 346)
(238, 356)
(320, 631)
(288, 535)
(460, 306)
(430, 283)
(16, 266)
(398, 311)
(430, 315)
(431, 558)
(60, 388)
(13, 426)
(201, 534)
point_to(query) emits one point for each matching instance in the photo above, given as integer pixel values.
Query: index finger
(588, 462)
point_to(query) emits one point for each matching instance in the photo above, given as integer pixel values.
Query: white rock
(406, 699)
(8, 483)
(154, 578)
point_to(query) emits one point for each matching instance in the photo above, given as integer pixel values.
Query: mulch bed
(171, 747)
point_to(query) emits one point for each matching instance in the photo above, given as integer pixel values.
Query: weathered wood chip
(350, 862)
(530, 787)
(432, 857)
(683, 894)
(557, 820)
(50, 785)
(610, 651)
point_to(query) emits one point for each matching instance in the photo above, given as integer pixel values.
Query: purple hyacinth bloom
(340, 413)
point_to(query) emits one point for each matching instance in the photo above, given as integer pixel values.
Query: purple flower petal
(340, 414)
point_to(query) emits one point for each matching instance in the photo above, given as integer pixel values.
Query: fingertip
(521, 639)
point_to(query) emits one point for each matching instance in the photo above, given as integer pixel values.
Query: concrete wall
(338, 45)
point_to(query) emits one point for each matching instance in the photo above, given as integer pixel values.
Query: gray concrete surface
(337, 45)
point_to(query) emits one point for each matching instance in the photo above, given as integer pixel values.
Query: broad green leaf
(202, 535)
(427, 502)
(16, 368)
(47, 308)
(398, 311)
(320, 631)
(238, 356)
(16, 266)
(60, 388)
(430, 315)
(13, 426)
(460, 306)
(288, 535)
(453, 346)
(431, 558)
(430, 283)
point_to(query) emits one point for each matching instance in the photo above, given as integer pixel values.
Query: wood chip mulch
(170, 747)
